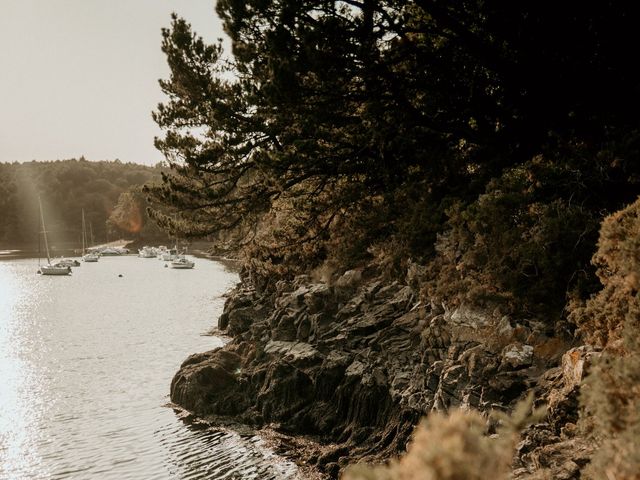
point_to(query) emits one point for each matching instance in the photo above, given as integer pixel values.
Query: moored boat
(170, 255)
(55, 269)
(112, 251)
(147, 252)
(87, 257)
(66, 262)
(90, 257)
(182, 262)
(50, 269)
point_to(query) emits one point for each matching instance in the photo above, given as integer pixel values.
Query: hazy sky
(80, 77)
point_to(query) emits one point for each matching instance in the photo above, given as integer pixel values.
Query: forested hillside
(66, 187)
(417, 188)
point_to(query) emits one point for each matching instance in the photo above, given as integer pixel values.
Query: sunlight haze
(80, 77)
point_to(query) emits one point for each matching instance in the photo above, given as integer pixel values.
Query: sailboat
(182, 262)
(50, 269)
(86, 257)
(169, 255)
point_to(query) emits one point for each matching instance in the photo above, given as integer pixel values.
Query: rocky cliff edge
(353, 366)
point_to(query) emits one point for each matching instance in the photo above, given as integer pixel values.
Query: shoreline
(286, 447)
(342, 373)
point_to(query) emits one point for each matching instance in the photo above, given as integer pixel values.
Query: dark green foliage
(341, 132)
(66, 187)
(523, 243)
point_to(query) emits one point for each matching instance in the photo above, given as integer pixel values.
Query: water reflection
(238, 457)
(85, 366)
(21, 399)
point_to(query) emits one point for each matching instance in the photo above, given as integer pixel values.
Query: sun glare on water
(19, 414)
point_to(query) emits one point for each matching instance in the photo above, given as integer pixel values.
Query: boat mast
(39, 248)
(84, 233)
(44, 231)
(91, 233)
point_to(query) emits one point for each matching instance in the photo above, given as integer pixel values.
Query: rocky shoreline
(342, 372)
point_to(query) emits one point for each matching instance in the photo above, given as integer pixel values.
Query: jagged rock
(240, 319)
(320, 323)
(469, 317)
(554, 449)
(223, 321)
(293, 300)
(357, 363)
(293, 352)
(370, 323)
(516, 356)
(304, 328)
(402, 300)
(349, 280)
(563, 398)
(285, 328)
(356, 369)
(318, 297)
(284, 393)
(575, 364)
(207, 383)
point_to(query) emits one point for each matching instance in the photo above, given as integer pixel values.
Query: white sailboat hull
(55, 270)
(182, 263)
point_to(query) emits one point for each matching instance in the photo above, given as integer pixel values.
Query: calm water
(85, 367)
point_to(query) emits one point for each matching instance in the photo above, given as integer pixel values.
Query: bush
(611, 411)
(455, 447)
(617, 260)
(524, 243)
(611, 319)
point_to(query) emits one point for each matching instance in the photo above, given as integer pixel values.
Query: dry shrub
(611, 412)
(455, 447)
(611, 394)
(618, 261)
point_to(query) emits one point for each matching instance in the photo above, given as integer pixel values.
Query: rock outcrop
(355, 364)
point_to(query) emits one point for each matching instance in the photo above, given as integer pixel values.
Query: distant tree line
(103, 189)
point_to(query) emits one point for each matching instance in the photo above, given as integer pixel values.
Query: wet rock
(208, 383)
(223, 321)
